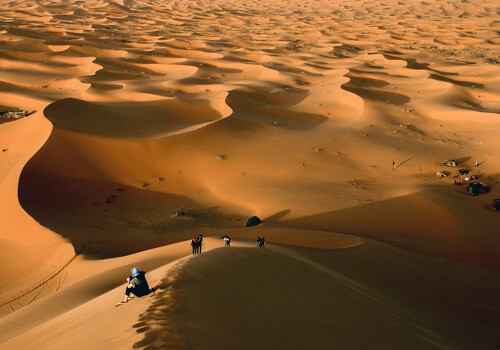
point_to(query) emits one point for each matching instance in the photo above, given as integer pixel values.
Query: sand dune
(152, 121)
(32, 252)
(91, 295)
(251, 297)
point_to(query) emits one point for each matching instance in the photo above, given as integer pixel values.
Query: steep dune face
(349, 298)
(31, 253)
(129, 119)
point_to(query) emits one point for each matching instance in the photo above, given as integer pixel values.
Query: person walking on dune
(227, 241)
(261, 241)
(194, 246)
(200, 239)
(137, 285)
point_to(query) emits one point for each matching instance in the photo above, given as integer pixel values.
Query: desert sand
(150, 122)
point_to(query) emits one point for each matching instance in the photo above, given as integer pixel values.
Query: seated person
(137, 285)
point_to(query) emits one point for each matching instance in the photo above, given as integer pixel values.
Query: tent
(496, 204)
(476, 188)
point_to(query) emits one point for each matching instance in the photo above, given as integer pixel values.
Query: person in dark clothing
(137, 286)
(200, 239)
(227, 241)
(194, 245)
(261, 241)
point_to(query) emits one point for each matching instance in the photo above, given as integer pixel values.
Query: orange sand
(293, 111)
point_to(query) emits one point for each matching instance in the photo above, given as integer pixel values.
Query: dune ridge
(249, 297)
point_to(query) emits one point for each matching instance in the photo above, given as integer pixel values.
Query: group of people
(137, 284)
(196, 244)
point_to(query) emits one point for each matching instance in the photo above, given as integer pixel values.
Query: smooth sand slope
(251, 298)
(32, 253)
(362, 294)
(153, 121)
(84, 313)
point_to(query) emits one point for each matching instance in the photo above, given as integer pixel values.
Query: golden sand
(292, 111)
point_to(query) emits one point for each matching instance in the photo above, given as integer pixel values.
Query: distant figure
(476, 164)
(200, 239)
(261, 241)
(137, 285)
(194, 245)
(227, 241)
(394, 165)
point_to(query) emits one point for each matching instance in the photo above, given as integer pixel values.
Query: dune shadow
(277, 216)
(157, 322)
(363, 90)
(411, 63)
(456, 82)
(273, 108)
(107, 219)
(405, 161)
(461, 160)
(197, 80)
(345, 51)
(438, 220)
(130, 119)
(365, 81)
